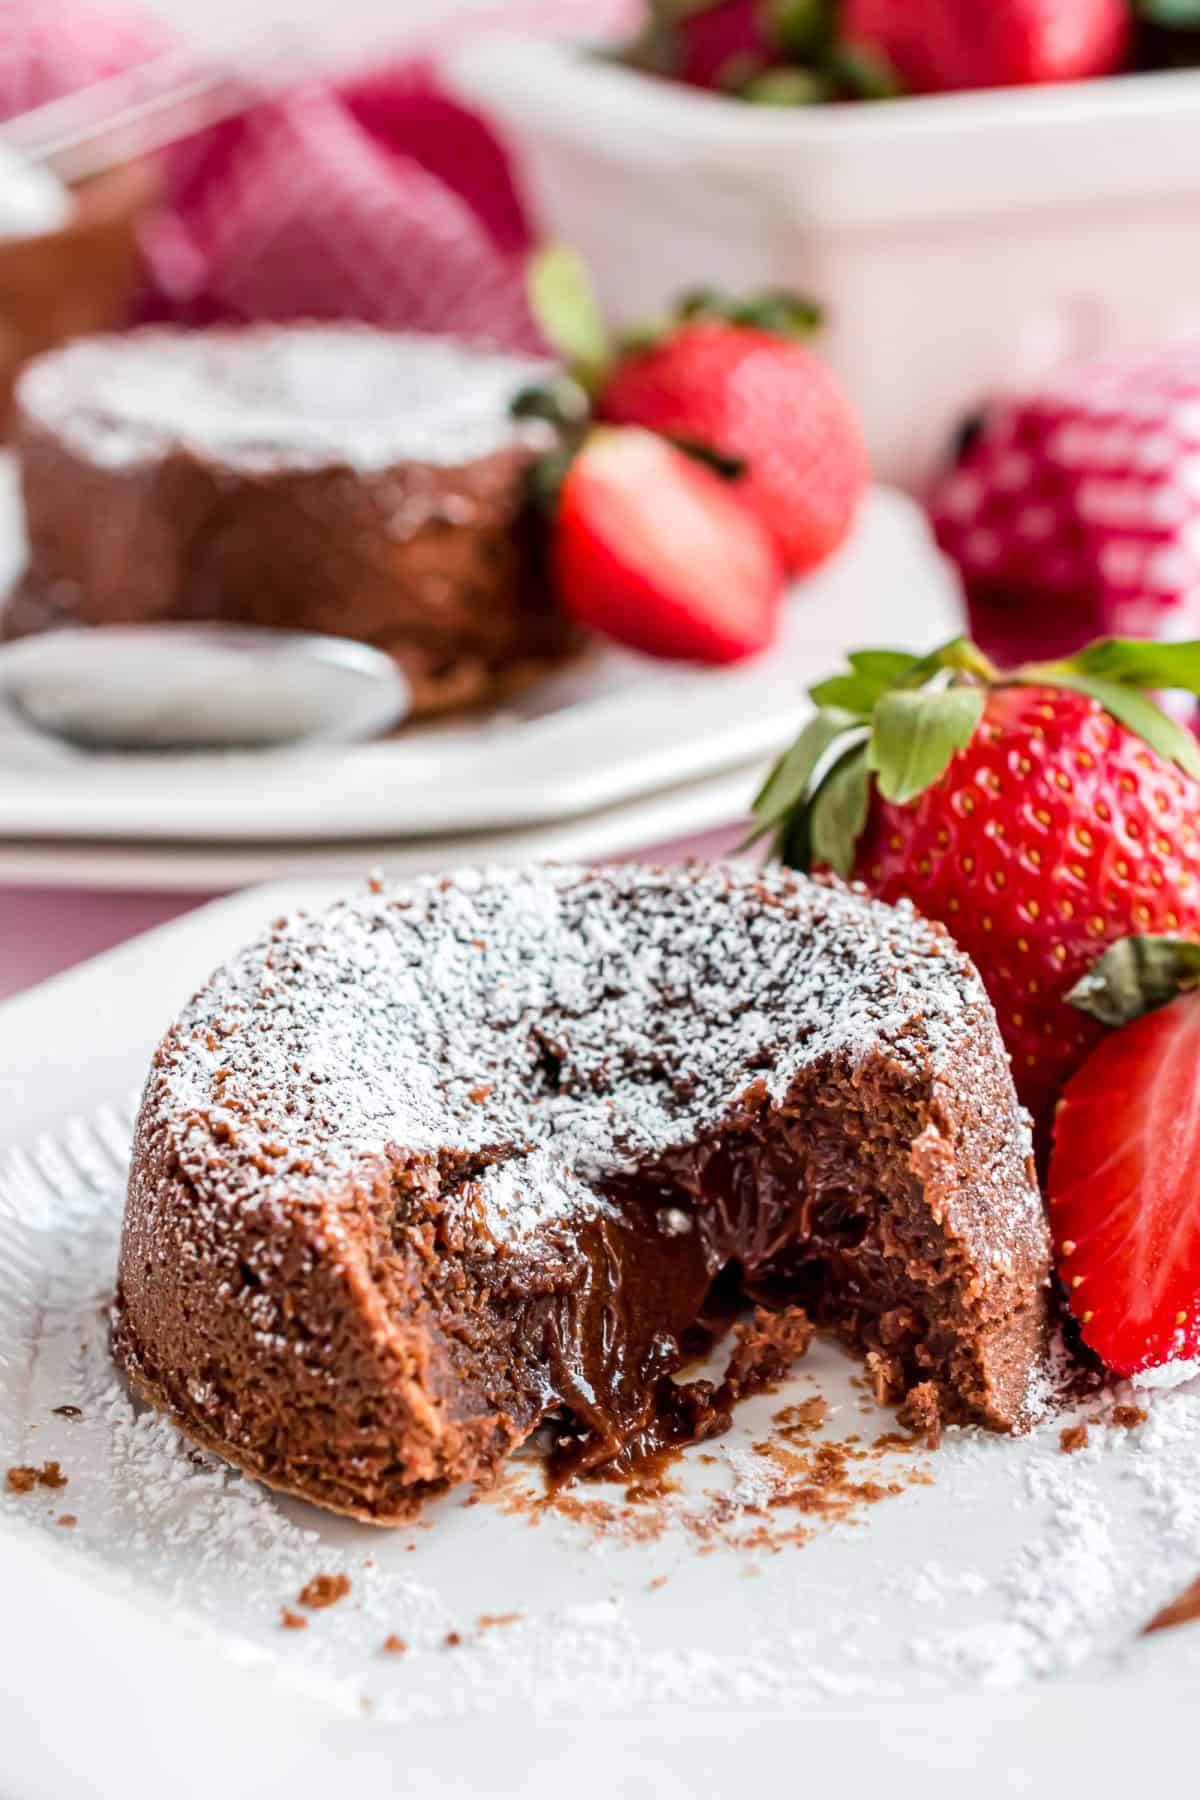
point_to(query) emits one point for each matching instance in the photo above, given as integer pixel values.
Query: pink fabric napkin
(376, 197)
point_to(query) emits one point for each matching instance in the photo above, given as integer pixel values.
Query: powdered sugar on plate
(994, 1562)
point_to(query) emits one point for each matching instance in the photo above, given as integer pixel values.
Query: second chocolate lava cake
(327, 478)
(416, 1172)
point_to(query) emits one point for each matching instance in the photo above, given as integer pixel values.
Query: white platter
(680, 813)
(981, 1629)
(617, 729)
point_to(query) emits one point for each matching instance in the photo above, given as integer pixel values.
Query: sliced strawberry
(657, 551)
(1124, 1191)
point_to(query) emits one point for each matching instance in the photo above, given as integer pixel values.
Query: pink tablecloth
(46, 930)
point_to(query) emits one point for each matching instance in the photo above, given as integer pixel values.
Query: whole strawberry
(1042, 816)
(940, 46)
(717, 41)
(734, 383)
(726, 43)
(1073, 511)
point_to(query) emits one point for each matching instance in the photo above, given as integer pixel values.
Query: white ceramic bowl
(956, 241)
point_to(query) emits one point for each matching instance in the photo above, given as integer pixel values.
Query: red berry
(943, 45)
(657, 551)
(766, 401)
(1124, 1191)
(714, 40)
(1053, 833)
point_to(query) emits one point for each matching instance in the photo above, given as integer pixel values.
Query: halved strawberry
(655, 550)
(1124, 1191)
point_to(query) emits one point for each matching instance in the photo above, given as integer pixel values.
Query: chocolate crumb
(23, 1479)
(1129, 1417)
(1073, 1438)
(807, 1415)
(764, 1352)
(1183, 1611)
(66, 1519)
(68, 1412)
(292, 1621)
(395, 1646)
(324, 1590)
(921, 1412)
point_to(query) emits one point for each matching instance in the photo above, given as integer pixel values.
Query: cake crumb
(452, 1640)
(394, 1645)
(23, 1478)
(66, 1519)
(324, 1590)
(1129, 1417)
(487, 1620)
(1184, 1610)
(1072, 1438)
(764, 1351)
(921, 1413)
(655, 1583)
(292, 1621)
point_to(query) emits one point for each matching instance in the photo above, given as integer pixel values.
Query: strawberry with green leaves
(1042, 814)
(734, 383)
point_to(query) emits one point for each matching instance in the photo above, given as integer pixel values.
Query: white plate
(981, 1629)
(658, 820)
(618, 728)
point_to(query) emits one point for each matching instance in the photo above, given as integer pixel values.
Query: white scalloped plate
(616, 729)
(981, 1629)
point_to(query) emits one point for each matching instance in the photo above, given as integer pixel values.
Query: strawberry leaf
(872, 673)
(787, 786)
(1136, 975)
(777, 310)
(563, 303)
(1134, 662)
(839, 812)
(786, 85)
(1174, 14)
(802, 28)
(915, 733)
(1137, 711)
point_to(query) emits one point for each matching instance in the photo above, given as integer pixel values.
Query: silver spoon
(200, 687)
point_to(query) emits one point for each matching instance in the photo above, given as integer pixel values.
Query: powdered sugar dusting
(592, 1019)
(280, 396)
(1045, 1565)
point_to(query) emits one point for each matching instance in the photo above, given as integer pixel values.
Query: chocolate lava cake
(415, 1173)
(330, 478)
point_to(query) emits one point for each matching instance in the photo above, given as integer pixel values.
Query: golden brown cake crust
(413, 1173)
(413, 534)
